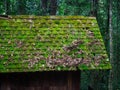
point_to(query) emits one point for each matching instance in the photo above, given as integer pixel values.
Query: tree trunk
(44, 6)
(53, 7)
(21, 7)
(49, 6)
(7, 7)
(110, 43)
(116, 45)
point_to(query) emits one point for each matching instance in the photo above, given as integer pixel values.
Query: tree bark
(116, 41)
(7, 7)
(21, 7)
(53, 7)
(44, 6)
(110, 44)
(49, 6)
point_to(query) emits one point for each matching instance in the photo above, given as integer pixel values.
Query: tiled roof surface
(43, 43)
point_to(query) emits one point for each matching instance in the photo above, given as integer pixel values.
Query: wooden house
(48, 52)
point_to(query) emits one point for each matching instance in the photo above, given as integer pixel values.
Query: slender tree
(44, 6)
(7, 7)
(21, 7)
(110, 43)
(53, 7)
(116, 45)
(49, 6)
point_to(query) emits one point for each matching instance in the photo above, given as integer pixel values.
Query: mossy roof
(48, 43)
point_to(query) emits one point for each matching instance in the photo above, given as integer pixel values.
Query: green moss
(43, 43)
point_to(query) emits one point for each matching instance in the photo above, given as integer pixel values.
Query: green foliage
(36, 7)
(74, 7)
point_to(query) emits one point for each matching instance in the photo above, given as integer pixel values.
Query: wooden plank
(67, 80)
(70, 80)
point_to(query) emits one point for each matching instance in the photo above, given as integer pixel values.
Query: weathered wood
(69, 80)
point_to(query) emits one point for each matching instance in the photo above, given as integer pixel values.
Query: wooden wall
(40, 81)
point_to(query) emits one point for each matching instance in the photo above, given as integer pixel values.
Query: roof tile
(43, 43)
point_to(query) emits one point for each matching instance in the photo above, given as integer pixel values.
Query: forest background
(107, 13)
